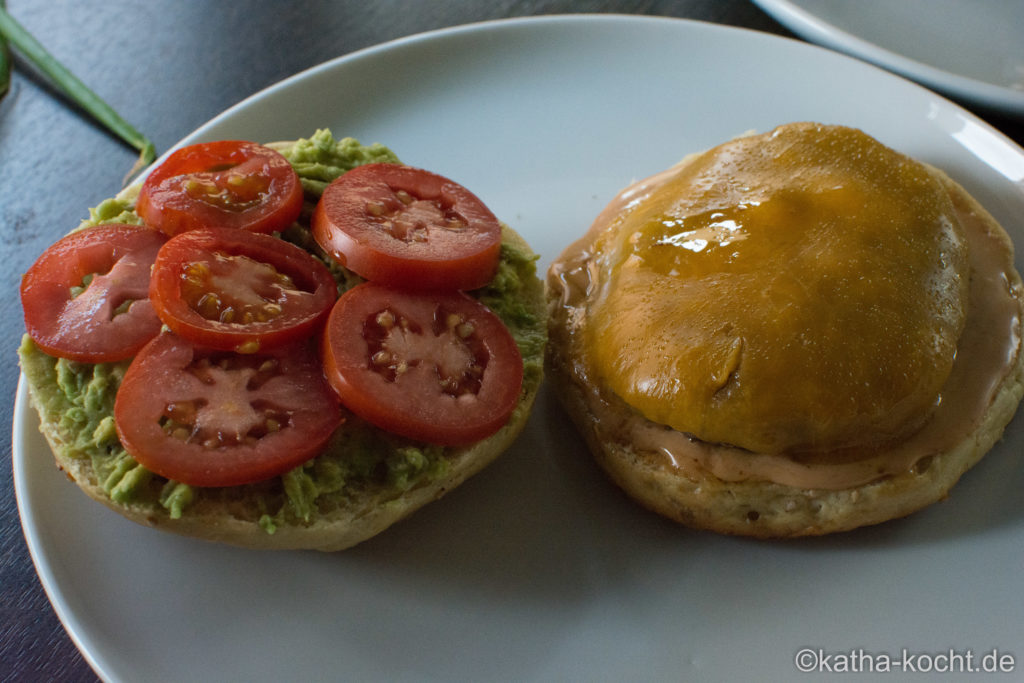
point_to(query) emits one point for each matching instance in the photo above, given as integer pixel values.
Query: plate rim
(24, 419)
(805, 23)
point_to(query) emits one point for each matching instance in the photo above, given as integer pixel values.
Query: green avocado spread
(76, 400)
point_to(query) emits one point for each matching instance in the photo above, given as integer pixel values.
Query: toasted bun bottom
(363, 516)
(758, 508)
(353, 517)
(766, 509)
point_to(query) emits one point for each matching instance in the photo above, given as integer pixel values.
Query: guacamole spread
(76, 400)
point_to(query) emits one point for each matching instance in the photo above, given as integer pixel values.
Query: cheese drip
(798, 291)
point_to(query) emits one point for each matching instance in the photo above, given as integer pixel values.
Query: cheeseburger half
(793, 333)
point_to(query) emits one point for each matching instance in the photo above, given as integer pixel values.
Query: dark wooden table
(54, 161)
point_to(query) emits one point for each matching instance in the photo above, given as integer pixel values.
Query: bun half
(354, 501)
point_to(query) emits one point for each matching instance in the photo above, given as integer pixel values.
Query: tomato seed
(251, 346)
(198, 270)
(196, 187)
(208, 306)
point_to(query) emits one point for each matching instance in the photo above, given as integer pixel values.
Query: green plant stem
(5, 61)
(77, 91)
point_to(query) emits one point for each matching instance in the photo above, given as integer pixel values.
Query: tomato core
(235, 289)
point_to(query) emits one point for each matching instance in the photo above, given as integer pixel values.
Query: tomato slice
(87, 297)
(408, 228)
(239, 291)
(230, 183)
(211, 418)
(440, 368)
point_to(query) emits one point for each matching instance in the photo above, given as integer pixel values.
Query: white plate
(968, 49)
(538, 569)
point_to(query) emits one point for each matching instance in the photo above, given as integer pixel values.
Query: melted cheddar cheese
(798, 291)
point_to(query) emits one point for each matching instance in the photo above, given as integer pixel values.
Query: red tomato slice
(239, 291)
(230, 183)
(210, 418)
(111, 318)
(440, 368)
(408, 228)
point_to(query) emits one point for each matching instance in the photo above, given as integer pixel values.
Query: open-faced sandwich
(793, 333)
(291, 345)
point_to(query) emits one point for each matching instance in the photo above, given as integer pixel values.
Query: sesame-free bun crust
(756, 507)
(766, 509)
(365, 515)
